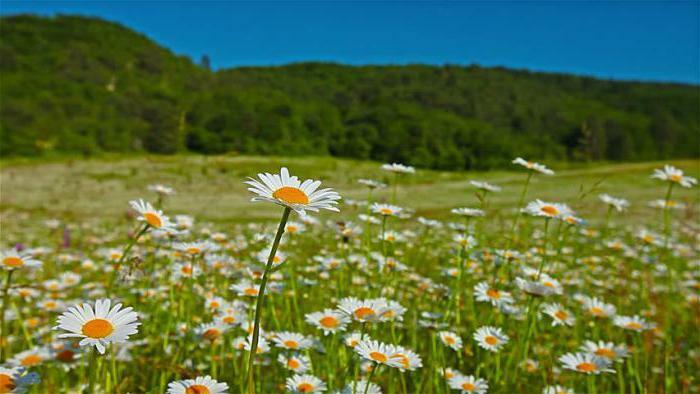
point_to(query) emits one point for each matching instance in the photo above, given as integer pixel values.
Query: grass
(430, 275)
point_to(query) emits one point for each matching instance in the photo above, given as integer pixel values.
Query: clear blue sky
(623, 40)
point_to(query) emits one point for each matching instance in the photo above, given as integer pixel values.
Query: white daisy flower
(675, 175)
(490, 338)
(330, 320)
(468, 384)
(406, 359)
(30, 358)
(606, 350)
(585, 363)
(385, 209)
(451, 339)
(198, 385)
(398, 168)
(560, 316)
(467, 212)
(541, 168)
(485, 186)
(361, 386)
(14, 259)
(292, 340)
(161, 189)
(305, 384)
(288, 191)
(372, 184)
(378, 352)
(15, 381)
(296, 363)
(363, 310)
(557, 390)
(620, 204)
(98, 326)
(485, 293)
(633, 323)
(547, 209)
(153, 217)
(598, 308)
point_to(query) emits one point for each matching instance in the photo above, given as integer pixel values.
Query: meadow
(539, 285)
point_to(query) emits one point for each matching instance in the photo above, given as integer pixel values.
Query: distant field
(211, 189)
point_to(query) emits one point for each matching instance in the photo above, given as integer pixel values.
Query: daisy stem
(5, 299)
(521, 200)
(259, 302)
(544, 249)
(369, 379)
(127, 249)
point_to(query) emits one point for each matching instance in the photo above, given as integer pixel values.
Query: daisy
(675, 175)
(490, 338)
(541, 168)
(292, 340)
(467, 212)
(485, 186)
(98, 326)
(353, 339)
(30, 358)
(211, 331)
(245, 288)
(305, 384)
(288, 191)
(465, 241)
(560, 316)
(14, 380)
(598, 308)
(620, 204)
(663, 204)
(451, 339)
(485, 293)
(362, 310)
(468, 384)
(585, 363)
(606, 350)
(294, 228)
(198, 385)
(378, 352)
(153, 217)
(372, 184)
(277, 260)
(185, 270)
(14, 259)
(161, 189)
(393, 311)
(547, 209)
(633, 323)
(543, 287)
(296, 364)
(398, 168)
(194, 248)
(330, 321)
(385, 209)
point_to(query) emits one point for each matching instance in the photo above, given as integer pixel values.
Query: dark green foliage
(83, 85)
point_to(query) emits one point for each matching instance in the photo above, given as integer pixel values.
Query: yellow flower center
(549, 210)
(675, 177)
(491, 340)
(450, 340)
(7, 384)
(596, 311)
(229, 319)
(363, 312)
(153, 219)
(305, 387)
(468, 386)
(604, 352)
(493, 293)
(211, 334)
(561, 315)
(586, 367)
(291, 195)
(251, 291)
(386, 211)
(379, 357)
(197, 389)
(329, 322)
(291, 344)
(13, 261)
(31, 360)
(97, 328)
(633, 325)
(193, 250)
(292, 363)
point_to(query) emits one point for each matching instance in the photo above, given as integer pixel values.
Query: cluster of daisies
(380, 301)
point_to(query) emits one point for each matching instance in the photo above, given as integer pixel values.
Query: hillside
(84, 85)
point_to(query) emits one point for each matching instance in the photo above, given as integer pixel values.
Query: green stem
(261, 294)
(5, 300)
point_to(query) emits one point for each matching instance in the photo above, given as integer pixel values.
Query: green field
(211, 189)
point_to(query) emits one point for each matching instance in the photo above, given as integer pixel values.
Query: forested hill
(84, 85)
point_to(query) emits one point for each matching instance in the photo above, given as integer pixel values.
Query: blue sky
(622, 40)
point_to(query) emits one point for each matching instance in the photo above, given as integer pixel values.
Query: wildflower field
(160, 274)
